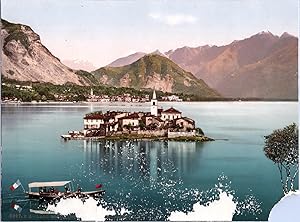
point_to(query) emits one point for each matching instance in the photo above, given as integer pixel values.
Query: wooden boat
(50, 191)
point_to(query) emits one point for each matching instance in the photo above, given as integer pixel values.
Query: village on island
(156, 124)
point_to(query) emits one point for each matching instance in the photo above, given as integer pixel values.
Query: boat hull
(53, 196)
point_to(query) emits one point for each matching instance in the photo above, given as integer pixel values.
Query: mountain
(25, 58)
(79, 65)
(154, 72)
(127, 59)
(261, 66)
(274, 76)
(132, 58)
(249, 68)
(192, 59)
(157, 52)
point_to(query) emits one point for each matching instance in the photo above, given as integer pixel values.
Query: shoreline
(116, 102)
(125, 137)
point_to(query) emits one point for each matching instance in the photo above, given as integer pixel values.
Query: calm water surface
(148, 178)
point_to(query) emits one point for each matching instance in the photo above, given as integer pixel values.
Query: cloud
(173, 19)
(154, 16)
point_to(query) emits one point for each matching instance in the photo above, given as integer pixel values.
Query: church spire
(154, 104)
(154, 94)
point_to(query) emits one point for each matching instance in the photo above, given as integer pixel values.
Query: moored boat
(52, 191)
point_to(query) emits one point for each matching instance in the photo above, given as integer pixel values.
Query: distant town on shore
(13, 91)
(17, 92)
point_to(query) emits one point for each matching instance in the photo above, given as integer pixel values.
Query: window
(153, 103)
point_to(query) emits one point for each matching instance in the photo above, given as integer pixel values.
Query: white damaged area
(287, 209)
(218, 210)
(90, 209)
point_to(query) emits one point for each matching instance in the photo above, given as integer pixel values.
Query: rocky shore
(135, 137)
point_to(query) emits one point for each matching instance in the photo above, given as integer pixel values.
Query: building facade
(170, 114)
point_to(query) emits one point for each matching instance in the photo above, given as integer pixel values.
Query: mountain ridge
(25, 58)
(263, 66)
(247, 69)
(223, 67)
(155, 72)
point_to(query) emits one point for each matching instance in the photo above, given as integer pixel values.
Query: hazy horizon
(100, 31)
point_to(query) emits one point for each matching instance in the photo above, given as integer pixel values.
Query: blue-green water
(142, 176)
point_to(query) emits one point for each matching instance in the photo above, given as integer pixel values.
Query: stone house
(93, 121)
(130, 120)
(170, 114)
(184, 123)
(153, 121)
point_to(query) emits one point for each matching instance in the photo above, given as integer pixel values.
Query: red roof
(131, 116)
(171, 110)
(186, 119)
(94, 116)
(105, 116)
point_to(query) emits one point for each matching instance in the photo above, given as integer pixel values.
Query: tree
(199, 131)
(128, 127)
(80, 97)
(281, 147)
(142, 124)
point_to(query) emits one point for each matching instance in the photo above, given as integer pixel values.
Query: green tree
(142, 124)
(199, 131)
(80, 97)
(281, 147)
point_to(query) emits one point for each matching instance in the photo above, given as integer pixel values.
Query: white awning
(41, 211)
(48, 184)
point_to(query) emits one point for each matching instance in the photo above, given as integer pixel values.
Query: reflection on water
(149, 160)
(141, 176)
(145, 177)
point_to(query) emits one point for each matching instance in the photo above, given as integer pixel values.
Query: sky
(100, 31)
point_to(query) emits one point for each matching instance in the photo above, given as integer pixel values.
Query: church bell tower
(154, 104)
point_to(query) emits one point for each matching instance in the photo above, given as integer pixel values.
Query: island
(158, 124)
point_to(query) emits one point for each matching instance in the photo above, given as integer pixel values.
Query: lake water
(148, 178)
